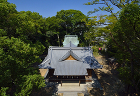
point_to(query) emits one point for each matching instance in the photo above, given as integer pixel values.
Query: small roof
(56, 60)
(70, 45)
(71, 38)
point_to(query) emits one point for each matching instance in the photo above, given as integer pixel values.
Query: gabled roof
(56, 60)
(68, 54)
(70, 45)
(72, 38)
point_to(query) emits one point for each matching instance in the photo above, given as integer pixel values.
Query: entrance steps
(70, 94)
(69, 84)
(72, 89)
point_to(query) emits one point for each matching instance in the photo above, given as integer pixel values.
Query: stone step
(70, 94)
(76, 84)
(71, 89)
(69, 84)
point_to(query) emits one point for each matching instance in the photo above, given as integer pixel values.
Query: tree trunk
(58, 40)
(128, 89)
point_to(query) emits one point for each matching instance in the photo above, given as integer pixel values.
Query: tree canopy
(122, 31)
(19, 49)
(126, 35)
(24, 36)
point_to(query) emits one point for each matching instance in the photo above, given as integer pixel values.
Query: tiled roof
(70, 45)
(56, 60)
(71, 38)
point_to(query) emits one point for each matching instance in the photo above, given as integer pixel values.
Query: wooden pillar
(79, 81)
(61, 82)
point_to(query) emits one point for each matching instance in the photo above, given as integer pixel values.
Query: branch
(88, 3)
(122, 3)
(114, 4)
(138, 35)
(133, 43)
(99, 3)
(116, 42)
(130, 51)
(110, 9)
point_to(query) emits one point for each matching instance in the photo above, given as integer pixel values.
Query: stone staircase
(72, 89)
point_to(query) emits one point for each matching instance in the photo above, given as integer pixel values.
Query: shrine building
(70, 62)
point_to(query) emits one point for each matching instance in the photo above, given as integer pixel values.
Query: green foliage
(54, 27)
(95, 48)
(125, 74)
(17, 50)
(3, 91)
(72, 23)
(123, 42)
(22, 36)
(95, 51)
(91, 12)
(125, 34)
(2, 33)
(5, 9)
(29, 83)
(15, 56)
(15, 59)
(126, 29)
(118, 3)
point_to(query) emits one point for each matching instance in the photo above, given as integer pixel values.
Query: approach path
(108, 77)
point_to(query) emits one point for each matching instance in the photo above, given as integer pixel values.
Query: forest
(24, 36)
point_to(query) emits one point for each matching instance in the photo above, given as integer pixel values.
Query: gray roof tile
(70, 67)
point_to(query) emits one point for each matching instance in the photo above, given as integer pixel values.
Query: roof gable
(70, 58)
(70, 55)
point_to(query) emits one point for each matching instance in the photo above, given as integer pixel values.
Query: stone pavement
(70, 94)
(73, 88)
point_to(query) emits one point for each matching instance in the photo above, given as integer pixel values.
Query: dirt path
(108, 77)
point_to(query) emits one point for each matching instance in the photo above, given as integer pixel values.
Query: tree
(73, 24)
(126, 37)
(15, 59)
(54, 28)
(6, 9)
(71, 18)
(19, 49)
(109, 3)
(95, 29)
(110, 20)
(124, 32)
